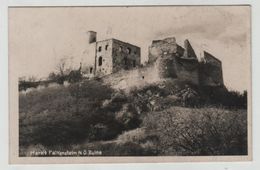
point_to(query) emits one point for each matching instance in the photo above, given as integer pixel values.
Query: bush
(74, 76)
(205, 131)
(67, 115)
(23, 85)
(222, 96)
(57, 78)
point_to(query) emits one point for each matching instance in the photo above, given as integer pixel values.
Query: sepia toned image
(129, 84)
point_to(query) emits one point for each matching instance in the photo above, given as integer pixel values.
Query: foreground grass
(69, 115)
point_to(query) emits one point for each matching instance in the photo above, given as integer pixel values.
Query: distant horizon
(39, 37)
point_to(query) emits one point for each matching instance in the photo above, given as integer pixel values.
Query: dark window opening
(142, 77)
(128, 50)
(100, 61)
(120, 48)
(134, 64)
(125, 60)
(91, 70)
(99, 48)
(106, 47)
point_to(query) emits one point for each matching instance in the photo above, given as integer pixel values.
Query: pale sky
(39, 37)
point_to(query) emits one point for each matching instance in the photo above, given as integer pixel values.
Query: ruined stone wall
(188, 52)
(125, 56)
(171, 66)
(166, 60)
(173, 61)
(168, 67)
(211, 71)
(139, 77)
(110, 56)
(104, 61)
(88, 60)
(165, 66)
(187, 69)
(163, 47)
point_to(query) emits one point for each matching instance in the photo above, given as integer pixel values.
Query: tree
(75, 75)
(52, 76)
(63, 69)
(32, 78)
(61, 65)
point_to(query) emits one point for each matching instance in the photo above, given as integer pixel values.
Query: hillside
(167, 118)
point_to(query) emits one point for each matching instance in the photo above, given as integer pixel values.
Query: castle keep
(174, 61)
(110, 56)
(121, 63)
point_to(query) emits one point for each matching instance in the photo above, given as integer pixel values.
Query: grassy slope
(182, 131)
(92, 115)
(67, 115)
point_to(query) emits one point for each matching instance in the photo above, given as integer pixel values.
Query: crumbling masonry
(120, 63)
(182, 63)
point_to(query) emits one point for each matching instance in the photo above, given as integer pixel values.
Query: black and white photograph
(166, 82)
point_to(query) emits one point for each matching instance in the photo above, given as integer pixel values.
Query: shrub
(222, 96)
(67, 115)
(204, 131)
(23, 85)
(74, 76)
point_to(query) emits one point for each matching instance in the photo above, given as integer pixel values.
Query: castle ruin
(110, 56)
(175, 61)
(119, 63)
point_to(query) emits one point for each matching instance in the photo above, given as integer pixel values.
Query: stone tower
(108, 56)
(91, 36)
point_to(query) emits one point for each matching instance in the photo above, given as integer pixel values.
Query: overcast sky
(39, 37)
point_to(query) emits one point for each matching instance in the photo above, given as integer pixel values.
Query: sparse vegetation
(203, 131)
(224, 97)
(155, 120)
(67, 115)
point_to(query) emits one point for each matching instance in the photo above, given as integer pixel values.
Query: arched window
(128, 50)
(100, 61)
(99, 48)
(91, 70)
(120, 49)
(106, 47)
